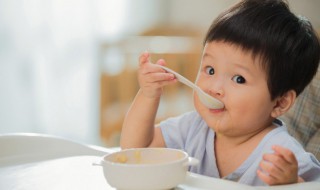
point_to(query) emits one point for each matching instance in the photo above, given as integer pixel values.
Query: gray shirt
(190, 133)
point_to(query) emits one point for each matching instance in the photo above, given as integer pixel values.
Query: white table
(63, 173)
(78, 173)
(38, 162)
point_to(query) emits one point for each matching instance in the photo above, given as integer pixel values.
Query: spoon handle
(206, 99)
(180, 77)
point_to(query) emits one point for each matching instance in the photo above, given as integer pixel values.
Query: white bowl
(146, 168)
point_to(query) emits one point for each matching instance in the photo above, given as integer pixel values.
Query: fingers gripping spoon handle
(205, 98)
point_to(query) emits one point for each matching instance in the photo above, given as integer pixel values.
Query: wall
(201, 13)
(50, 61)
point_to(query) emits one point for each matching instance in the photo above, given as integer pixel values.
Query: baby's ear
(283, 103)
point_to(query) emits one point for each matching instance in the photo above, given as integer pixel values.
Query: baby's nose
(216, 88)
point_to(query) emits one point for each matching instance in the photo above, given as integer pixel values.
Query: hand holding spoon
(205, 98)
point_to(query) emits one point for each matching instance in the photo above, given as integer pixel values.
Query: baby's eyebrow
(207, 55)
(240, 66)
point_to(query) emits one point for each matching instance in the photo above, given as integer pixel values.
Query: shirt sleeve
(175, 130)
(309, 167)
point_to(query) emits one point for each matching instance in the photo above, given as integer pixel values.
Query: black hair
(287, 44)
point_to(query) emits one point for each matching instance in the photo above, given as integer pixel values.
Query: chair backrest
(303, 120)
(26, 147)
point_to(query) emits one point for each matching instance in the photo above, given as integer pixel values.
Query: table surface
(78, 173)
(62, 173)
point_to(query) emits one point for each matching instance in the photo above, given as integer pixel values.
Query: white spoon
(205, 98)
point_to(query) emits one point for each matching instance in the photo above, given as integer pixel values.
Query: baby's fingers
(265, 177)
(281, 167)
(160, 78)
(286, 154)
(276, 161)
(270, 168)
(144, 58)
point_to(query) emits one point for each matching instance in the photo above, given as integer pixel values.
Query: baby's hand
(152, 78)
(281, 167)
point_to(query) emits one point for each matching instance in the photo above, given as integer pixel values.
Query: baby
(257, 58)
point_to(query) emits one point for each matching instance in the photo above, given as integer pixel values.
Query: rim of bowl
(185, 156)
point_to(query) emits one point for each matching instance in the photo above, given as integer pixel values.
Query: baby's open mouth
(217, 110)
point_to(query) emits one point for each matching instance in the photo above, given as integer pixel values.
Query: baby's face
(234, 77)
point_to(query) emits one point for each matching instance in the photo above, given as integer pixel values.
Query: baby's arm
(138, 127)
(281, 167)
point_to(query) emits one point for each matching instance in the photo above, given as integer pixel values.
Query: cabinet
(180, 48)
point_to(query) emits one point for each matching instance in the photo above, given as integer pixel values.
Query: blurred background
(68, 68)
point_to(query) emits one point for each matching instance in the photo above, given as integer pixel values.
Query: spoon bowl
(205, 98)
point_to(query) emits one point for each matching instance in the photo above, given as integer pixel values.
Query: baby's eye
(239, 79)
(209, 70)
